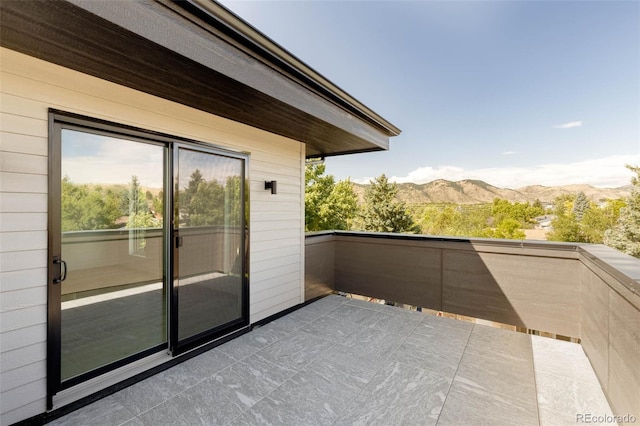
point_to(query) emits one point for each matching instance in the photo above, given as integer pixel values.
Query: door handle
(179, 241)
(63, 269)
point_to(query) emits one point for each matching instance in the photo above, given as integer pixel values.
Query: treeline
(201, 203)
(88, 207)
(334, 205)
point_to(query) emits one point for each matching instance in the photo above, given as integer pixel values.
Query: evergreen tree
(383, 211)
(625, 236)
(580, 206)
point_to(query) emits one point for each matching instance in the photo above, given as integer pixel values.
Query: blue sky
(511, 92)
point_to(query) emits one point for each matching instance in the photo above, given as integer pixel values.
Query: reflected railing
(102, 260)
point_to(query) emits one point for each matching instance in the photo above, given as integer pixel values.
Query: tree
(328, 205)
(508, 229)
(625, 236)
(201, 203)
(578, 220)
(87, 207)
(580, 205)
(383, 211)
(596, 221)
(564, 226)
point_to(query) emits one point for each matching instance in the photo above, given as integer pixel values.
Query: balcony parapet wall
(591, 292)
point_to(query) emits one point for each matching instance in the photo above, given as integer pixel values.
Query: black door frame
(55, 268)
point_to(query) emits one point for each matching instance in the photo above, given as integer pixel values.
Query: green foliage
(565, 228)
(328, 205)
(625, 235)
(202, 202)
(580, 205)
(508, 228)
(501, 219)
(524, 213)
(578, 221)
(383, 211)
(87, 208)
(456, 220)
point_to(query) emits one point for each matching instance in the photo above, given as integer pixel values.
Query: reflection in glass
(113, 300)
(209, 220)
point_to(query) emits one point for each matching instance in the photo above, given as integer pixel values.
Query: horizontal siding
(14, 416)
(23, 203)
(23, 337)
(11, 222)
(23, 144)
(29, 88)
(25, 395)
(14, 301)
(23, 240)
(21, 279)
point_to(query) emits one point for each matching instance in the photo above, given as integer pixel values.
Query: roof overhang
(199, 54)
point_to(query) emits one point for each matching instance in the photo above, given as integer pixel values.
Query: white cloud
(606, 172)
(568, 125)
(509, 152)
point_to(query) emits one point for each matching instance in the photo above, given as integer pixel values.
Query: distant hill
(471, 191)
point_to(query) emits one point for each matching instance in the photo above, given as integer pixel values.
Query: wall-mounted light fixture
(272, 185)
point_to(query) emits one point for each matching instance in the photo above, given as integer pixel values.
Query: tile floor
(341, 361)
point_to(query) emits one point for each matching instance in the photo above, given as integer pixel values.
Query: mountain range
(476, 191)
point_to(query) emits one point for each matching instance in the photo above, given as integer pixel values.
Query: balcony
(340, 360)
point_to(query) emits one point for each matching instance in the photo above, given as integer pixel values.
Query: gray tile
(509, 377)
(207, 364)
(562, 358)
(447, 323)
(204, 404)
(251, 380)
(397, 325)
(373, 343)
(324, 305)
(431, 353)
(399, 395)
(350, 365)
(331, 329)
(295, 351)
(279, 413)
(249, 343)
(365, 305)
(107, 411)
(317, 396)
(352, 314)
(444, 329)
(134, 422)
(563, 394)
(556, 418)
(492, 340)
(470, 404)
(153, 391)
(287, 324)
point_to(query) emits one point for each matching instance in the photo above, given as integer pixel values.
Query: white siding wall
(29, 87)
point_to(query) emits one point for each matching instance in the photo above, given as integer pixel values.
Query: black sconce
(272, 185)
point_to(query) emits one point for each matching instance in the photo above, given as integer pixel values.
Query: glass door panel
(209, 240)
(113, 301)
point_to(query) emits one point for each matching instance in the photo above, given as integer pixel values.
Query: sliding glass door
(209, 240)
(147, 247)
(112, 300)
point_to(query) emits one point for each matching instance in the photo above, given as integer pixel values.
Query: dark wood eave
(68, 34)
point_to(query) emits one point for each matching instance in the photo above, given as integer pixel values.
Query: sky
(511, 92)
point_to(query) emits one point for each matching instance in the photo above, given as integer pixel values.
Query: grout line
(535, 380)
(455, 374)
